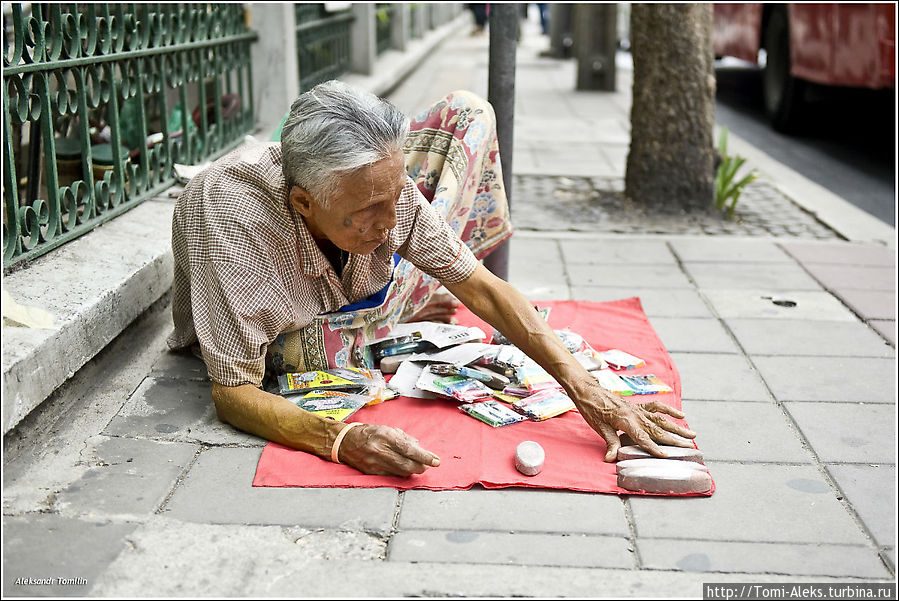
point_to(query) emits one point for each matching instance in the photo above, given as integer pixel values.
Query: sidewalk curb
(840, 215)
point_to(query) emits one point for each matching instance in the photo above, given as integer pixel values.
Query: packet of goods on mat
(544, 404)
(335, 404)
(492, 413)
(534, 378)
(612, 382)
(648, 384)
(462, 388)
(621, 360)
(342, 378)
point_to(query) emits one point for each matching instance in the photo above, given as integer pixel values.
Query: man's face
(362, 211)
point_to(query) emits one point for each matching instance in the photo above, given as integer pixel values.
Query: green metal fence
(100, 99)
(323, 43)
(383, 17)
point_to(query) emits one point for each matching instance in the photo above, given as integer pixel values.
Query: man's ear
(301, 200)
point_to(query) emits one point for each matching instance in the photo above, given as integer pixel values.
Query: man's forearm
(274, 418)
(501, 305)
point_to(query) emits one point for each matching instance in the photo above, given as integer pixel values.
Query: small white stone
(661, 463)
(678, 453)
(529, 458)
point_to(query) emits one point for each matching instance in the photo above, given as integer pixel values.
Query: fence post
(501, 94)
(363, 49)
(399, 26)
(276, 74)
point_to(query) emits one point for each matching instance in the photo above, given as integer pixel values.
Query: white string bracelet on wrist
(335, 448)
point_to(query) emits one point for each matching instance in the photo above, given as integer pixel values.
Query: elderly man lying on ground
(284, 261)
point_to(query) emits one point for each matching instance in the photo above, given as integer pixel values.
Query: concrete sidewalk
(136, 489)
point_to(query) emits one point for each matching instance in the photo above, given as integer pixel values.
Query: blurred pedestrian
(480, 12)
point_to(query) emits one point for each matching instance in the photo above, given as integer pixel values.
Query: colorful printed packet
(342, 378)
(462, 389)
(612, 382)
(544, 404)
(648, 384)
(492, 413)
(621, 360)
(334, 404)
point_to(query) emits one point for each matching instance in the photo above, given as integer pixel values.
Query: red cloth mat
(472, 452)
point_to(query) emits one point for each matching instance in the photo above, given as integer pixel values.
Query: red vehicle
(850, 45)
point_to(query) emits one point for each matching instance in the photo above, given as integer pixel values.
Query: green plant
(725, 186)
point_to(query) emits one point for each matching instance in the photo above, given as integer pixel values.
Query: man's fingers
(408, 447)
(610, 435)
(660, 407)
(642, 438)
(670, 426)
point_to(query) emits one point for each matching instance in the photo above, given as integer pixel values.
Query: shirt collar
(312, 261)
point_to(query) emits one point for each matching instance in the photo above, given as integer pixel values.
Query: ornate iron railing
(97, 99)
(323, 44)
(383, 16)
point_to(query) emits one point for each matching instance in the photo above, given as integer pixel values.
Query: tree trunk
(670, 164)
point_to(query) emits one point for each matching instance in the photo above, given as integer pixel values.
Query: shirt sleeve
(433, 246)
(236, 315)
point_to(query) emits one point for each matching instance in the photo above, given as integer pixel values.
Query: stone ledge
(94, 287)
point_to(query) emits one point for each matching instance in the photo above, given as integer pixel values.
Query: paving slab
(753, 503)
(887, 329)
(687, 334)
(841, 253)
(481, 509)
(801, 337)
(871, 491)
(169, 557)
(840, 379)
(748, 432)
(717, 377)
(639, 276)
(848, 432)
(729, 250)
(520, 548)
(769, 558)
(854, 277)
(176, 409)
(657, 302)
(49, 547)
(218, 490)
(180, 365)
(749, 303)
(871, 304)
(624, 251)
(764, 278)
(129, 477)
(536, 269)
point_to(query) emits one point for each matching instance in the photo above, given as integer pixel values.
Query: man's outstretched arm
(505, 308)
(371, 449)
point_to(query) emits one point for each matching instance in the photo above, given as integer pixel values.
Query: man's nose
(386, 220)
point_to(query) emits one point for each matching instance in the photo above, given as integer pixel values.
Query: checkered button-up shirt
(248, 269)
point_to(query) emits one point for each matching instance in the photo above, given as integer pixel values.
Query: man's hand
(503, 307)
(385, 451)
(607, 413)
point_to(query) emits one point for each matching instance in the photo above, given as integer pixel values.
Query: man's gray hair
(335, 129)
